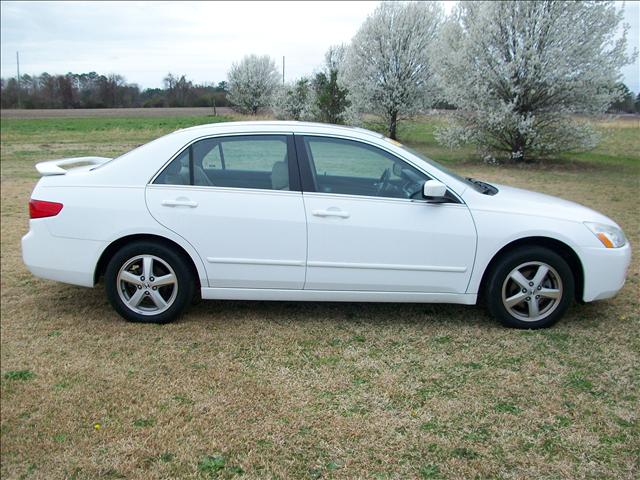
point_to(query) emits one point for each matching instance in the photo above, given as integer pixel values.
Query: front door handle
(179, 202)
(331, 213)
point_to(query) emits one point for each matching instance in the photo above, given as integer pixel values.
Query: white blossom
(295, 101)
(252, 83)
(319, 98)
(519, 72)
(387, 66)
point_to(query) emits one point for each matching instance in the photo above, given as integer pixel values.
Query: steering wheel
(383, 183)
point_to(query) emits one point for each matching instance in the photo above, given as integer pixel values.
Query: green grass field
(319, 390)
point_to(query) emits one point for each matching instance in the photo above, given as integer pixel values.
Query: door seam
(306, 259)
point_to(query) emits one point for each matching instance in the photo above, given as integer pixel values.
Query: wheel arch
(568, 253)
(116, 245)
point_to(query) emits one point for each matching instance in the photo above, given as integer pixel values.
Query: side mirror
(434, 190)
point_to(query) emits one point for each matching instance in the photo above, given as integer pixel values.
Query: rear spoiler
(54, 167)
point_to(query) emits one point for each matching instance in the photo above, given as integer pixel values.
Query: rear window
(249, 161)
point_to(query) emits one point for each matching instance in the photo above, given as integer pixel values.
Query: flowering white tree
(294, 101)
(519, 71)
(387, 67)
(319, 98)
(252, 83)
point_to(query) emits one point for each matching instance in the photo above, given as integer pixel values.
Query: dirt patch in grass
(314, 390)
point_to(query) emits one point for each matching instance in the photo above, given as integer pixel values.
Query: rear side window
(255, 161)
(177, 172)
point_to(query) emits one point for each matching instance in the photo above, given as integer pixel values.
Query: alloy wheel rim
(147, 285)
(532, 291)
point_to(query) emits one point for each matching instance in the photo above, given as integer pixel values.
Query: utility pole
(18, 65)
(283, 69)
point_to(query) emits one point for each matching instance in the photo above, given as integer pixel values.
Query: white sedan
(311, 212)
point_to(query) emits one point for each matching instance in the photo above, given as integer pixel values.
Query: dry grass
(295, 390)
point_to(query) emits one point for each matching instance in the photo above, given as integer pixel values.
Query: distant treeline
(92, 90)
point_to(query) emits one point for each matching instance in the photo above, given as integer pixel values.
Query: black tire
(163, 259)
(529, 259)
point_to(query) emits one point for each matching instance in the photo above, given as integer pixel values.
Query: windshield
(477, 185)
(438, 165)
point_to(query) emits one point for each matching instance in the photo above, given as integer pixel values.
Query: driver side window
(355, 168)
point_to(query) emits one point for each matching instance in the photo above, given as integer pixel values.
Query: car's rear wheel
(530, 287)
(148, 282)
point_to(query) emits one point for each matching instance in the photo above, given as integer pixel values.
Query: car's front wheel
(148, 282)
(530, 287)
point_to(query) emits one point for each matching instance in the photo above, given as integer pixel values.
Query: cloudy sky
(145, 40)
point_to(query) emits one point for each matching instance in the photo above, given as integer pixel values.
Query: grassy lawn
(318, 390)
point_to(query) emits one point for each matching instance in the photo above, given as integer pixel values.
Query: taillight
(41, 209)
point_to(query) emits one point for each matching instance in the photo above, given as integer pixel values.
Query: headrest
(174, 167)
(280, 176)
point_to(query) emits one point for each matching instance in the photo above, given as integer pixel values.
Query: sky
(143, 41)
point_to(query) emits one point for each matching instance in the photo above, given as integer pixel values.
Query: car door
(369, 228)
(237, 200)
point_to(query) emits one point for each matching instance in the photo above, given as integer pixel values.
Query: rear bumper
(67, 260)
(605, 271)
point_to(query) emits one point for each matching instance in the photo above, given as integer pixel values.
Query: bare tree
(179, 89)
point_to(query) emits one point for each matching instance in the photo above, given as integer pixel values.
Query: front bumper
(67, 260)
(605, 271)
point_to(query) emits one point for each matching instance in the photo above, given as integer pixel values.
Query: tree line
(93, 90)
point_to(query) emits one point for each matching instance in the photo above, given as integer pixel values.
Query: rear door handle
(179, 202)
(331, 213)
